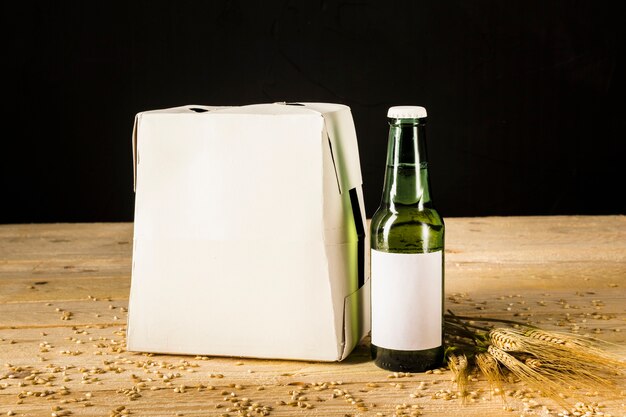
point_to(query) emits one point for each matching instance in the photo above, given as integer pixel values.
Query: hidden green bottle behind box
(407, 241)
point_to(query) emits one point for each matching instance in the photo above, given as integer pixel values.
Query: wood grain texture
(558, 272)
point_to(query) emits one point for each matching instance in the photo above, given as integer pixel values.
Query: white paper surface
(406, 300)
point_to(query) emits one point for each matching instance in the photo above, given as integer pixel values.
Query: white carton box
(249, 232)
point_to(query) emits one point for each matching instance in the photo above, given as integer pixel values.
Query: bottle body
(407, 241)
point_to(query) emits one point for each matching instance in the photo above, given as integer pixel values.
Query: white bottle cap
(406, 112)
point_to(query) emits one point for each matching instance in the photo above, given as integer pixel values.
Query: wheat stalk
(554, 363)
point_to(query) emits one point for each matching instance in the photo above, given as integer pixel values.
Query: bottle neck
(406, 177)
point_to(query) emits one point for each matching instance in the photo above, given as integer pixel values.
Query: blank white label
(406, 300)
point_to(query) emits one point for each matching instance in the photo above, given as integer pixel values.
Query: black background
(525, 98)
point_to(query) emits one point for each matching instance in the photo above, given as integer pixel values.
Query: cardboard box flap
(344, 146)
(270, 109)
(134, 142)
(339, 127)
(356, 318)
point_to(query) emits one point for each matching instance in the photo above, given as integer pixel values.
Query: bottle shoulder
(426, 216)
(416, 230)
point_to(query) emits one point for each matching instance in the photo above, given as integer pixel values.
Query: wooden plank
(47, 262)
(54, 288)
(559, 272)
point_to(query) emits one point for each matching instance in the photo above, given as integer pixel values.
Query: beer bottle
(407, 243)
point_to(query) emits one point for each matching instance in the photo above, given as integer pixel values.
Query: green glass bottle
(407, 241)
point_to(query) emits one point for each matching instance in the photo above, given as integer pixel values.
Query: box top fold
(337, 118)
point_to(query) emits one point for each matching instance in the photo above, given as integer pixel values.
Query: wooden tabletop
(64, 291)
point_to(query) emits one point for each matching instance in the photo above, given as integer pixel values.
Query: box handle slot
(360, 231)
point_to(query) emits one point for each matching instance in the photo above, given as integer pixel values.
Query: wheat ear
(458, 366)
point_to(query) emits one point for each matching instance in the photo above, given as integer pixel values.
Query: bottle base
(407, 360)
